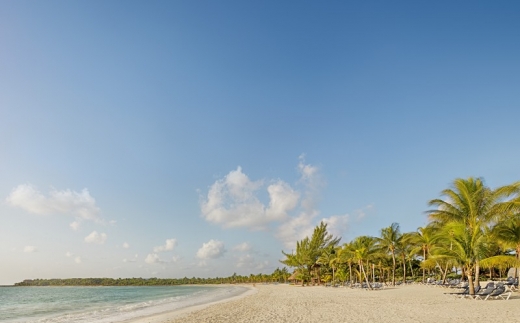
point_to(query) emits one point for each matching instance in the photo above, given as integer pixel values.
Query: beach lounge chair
(501, 292)
(511, 283)
(490, 288)
(465, 292)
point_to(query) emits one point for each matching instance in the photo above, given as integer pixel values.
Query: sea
(103, 304)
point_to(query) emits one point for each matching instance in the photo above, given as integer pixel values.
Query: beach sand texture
(413, 303)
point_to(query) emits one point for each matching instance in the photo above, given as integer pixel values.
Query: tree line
(278, 275)
(473, 230)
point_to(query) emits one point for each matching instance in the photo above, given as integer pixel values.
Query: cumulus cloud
(69, 254)
(337, 224)
(29, 249)
(67, 202)
(169, 245)
(242, 247)
(126, 245)
(95, 237)
(232, 202)
(211, 250)
(296, 228)
(153, 258)
(77, 260)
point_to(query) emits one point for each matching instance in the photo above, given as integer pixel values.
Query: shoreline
(181, 312)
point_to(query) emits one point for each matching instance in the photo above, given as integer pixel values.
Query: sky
(202, 138)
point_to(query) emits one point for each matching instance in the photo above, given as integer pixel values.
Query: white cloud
(74, 225)
(77, 260)
(231, 202)
(29, 249)
(169, 245)
(242, 247)
(211, 250)
(67, 202)
(234, 201)
(95, 237)
(126, 245)
(153, 258)
(307, 171)
(296, 228)
(69, 254)
(248, 262)
(337, 224)
(362, 213)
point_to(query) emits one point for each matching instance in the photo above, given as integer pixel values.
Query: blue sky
(198, 138)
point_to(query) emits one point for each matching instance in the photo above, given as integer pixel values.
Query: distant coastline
(126, 282)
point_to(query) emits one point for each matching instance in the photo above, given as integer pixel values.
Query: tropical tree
(466, 213)
(508, 234)
(364, 249)
(389, 241)
(308, 250)
(330, 258)
(423, 241)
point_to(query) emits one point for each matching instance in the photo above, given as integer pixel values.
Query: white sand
(283, 303)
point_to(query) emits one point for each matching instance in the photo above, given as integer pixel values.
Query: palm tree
(389, 241)
(508, 233)
(346, 256)
(309, 250)
(329, 258)
(467, 211)
(423, 241)
(364, 249)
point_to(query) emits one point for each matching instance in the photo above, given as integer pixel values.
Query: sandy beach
(284, 303)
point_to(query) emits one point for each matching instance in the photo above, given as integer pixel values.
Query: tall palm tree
(389, 241)
(364, 249)
(467, 212)
(423, 241)
(346, 256)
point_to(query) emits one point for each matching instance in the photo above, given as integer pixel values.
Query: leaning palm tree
(471, 205)
(389, 241)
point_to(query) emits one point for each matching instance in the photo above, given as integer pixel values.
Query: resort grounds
(289, 303)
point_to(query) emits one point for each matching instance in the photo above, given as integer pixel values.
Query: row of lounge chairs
(491, 290)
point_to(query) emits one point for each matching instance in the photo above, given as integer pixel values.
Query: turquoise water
(102, 304)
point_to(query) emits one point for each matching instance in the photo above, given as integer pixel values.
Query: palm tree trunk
(424, 270)
(477, 273)
(404, 269)
(470, 282)
(363, 271)
(393, 268)
(350, 272)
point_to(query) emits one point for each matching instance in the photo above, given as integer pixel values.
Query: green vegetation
(473, 230)
(279, 275)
